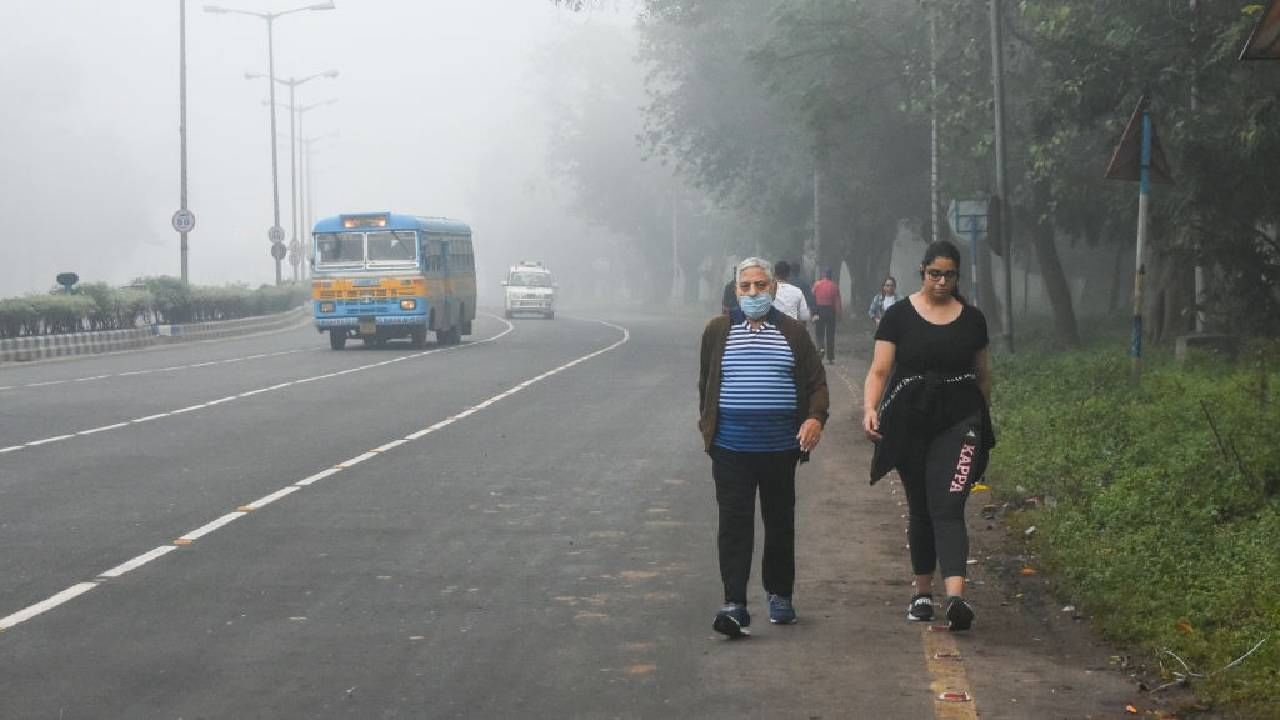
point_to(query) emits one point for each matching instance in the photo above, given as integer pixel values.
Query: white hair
(754, 262)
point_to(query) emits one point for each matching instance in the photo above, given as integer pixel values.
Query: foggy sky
(437, 114)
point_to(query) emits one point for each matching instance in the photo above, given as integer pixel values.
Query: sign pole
(182, 126)
(1144, 200)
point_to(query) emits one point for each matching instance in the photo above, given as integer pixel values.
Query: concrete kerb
(52, 346)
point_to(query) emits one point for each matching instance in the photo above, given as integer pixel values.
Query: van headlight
(327, 307)
(408, 304)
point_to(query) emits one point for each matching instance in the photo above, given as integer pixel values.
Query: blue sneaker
(780, 610)
(732, 621)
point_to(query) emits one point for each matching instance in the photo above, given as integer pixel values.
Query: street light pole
(182, 129)
(275, 183)
(270, 18)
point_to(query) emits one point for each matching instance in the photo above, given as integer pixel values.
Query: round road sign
(184, 220)
(277, 251)
(276, 234)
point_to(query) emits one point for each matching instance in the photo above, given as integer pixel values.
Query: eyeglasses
(761, 285)
(947, 275)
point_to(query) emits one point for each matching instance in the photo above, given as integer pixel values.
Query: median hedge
(158, 300)
(1160, 503)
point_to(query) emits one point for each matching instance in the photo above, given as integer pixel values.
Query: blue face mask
(755, 306)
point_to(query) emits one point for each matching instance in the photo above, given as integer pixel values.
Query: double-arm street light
(294, 130)
(276, 234)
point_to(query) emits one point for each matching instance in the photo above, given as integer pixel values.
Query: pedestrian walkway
(1020, 660)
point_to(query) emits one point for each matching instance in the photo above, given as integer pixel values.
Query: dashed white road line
(256, 391)
(190, 537)
(170, 368)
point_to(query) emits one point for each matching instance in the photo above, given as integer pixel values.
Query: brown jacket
(812, 399)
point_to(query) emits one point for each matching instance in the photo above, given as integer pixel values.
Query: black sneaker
(921, 608)
(781, 611)
(732, 621)
(959, 613)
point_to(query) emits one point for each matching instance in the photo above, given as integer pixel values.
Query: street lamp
(276, 233)
(293, 83)
(308, 196)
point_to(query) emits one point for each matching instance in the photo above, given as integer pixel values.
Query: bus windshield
(384, 246)
(339, 248)
(392, 246)
(530, 279)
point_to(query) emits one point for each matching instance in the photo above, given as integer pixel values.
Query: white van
(530, 288)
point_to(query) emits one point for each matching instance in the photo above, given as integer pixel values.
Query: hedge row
(1160, 504)
(159, 300)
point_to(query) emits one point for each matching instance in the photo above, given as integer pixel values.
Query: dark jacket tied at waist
(914, 397)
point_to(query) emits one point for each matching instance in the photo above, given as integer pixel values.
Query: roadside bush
(159, 300)
(1161, 503)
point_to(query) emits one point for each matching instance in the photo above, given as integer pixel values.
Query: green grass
(1168, 536)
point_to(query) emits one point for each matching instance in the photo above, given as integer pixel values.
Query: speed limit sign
(275, 234)
(184, 220)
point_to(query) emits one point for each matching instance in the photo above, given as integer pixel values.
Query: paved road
(521, 526)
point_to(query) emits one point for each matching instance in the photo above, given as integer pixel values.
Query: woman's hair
(888, 279)
(753, 262)
(944, 249)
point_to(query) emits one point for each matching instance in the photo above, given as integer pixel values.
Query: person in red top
(826, 295)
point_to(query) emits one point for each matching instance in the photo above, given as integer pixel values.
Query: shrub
(1165, 507)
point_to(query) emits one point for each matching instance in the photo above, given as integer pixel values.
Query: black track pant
(738, 476)
(937, 475)
(826, 329)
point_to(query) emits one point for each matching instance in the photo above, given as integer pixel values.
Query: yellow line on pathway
(946, 670)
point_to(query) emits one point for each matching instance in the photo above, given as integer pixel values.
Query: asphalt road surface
(519, 526)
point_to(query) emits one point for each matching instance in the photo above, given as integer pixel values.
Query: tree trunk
(990, 302)
(1055, 281)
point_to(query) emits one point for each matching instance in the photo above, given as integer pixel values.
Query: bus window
(392, 246)
(339, 247)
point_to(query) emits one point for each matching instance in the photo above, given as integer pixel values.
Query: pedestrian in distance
(729, 300)
(762, 394)
(926, 399)
(883, 300)
(826, 298)
(789, 298)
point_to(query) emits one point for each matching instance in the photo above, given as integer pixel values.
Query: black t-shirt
(921, 347)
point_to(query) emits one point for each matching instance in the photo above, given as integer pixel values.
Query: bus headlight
(408, 304)
(327, 307)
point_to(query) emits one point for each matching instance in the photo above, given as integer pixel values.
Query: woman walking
(883, 300)
(926, 403)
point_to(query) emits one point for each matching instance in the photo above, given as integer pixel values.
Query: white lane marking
(356, 460)
(279, 386)
(46, 441)
(212, 525)
(189, 408)
(139, 561)
(104, 428)
(11, 448)
(266, 500)
(390, 445)
(45, 605)
(170, 368)
(73, 591)
(318, 476)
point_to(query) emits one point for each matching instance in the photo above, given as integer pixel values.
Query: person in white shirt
(790, 299)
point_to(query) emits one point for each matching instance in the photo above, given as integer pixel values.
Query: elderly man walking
(763, 398)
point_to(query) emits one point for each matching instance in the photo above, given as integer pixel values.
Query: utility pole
(1002, 187)
(935, 196)
(183, 212)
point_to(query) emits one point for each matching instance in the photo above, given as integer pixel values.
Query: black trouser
(737, 476)
(937, 474)
(826, 329)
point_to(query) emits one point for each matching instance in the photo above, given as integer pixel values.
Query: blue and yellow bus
(380, 276)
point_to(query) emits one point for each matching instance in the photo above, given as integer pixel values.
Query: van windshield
(531, 279)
